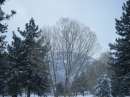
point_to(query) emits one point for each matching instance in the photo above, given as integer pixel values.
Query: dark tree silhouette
(120, 62)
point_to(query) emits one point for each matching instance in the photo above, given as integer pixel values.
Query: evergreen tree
(60, 88)
(80, 84)
(19, 69)
(74, 87)
(3, 61)
(29, 34)
(16, 62)
(103, 86)
(121, 54)
(35, 55)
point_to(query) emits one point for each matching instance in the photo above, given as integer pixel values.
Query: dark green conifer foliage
(40, 81)
(30, 33)
(3, 73)
(16, 62)
(35, 54)
(80, 84)
(103, 86)
(3, 54)
(60, 88)
(28, 65)
(120, 62)
(2, 2)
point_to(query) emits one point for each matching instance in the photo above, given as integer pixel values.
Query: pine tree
(35, 55)
(60, 88)
(18, 67)
(74, 87)
(103, 86)
(80, 84)
(29, 34)
(121, 54)
(16, 62)
(3, 54)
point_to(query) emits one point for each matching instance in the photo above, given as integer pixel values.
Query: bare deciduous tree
(103, 60)
(72, 43)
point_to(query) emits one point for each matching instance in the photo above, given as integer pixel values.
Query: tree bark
(83, 93)
(56, 94)
(66, 84)
(28, 88)
(28, 91)
(14, 95)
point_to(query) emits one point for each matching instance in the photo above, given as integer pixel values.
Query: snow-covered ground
(86, 96)
(63, 96)
(32, 95)
(75, 96)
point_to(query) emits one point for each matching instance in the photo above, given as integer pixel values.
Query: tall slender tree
(29, 34)
(35, 55)
(120, 62)
(18, 67)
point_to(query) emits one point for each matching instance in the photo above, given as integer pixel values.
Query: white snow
(32, 95)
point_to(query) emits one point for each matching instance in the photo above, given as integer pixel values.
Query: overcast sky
(98, 15)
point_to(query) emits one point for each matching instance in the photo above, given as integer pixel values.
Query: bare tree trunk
(25, 92)
(14, 95)
(65, 90)
(29, 86)
(28, 91)
(83, 93)
(56, 93)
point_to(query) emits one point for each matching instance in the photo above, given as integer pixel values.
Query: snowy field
(32, 95)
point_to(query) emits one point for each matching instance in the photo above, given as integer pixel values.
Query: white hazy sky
(99, 15)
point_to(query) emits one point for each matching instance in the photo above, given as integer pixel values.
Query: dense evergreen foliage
(3, 55)
(120, 62)
(28, 62)
(103, 86)
(29, 34)
(39, 79)
(60, 88)
(25, 64)
(35, 74)
(80, 84)
(3, 73)
(2, 2)
(16, 65)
